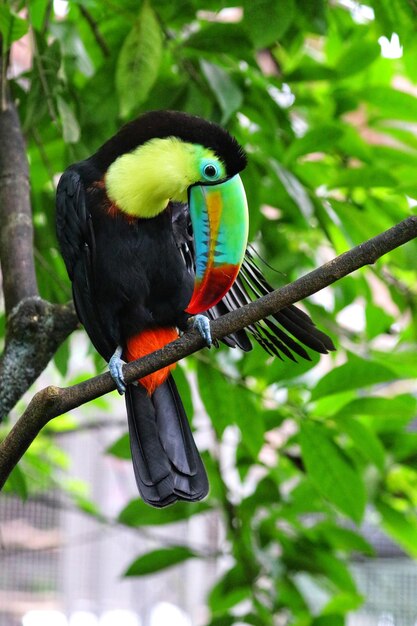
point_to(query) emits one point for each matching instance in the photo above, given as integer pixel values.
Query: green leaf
(44, 79)
(304, 555)
(364, 440)
(304, 499)
(228, 403)
(390, 414)
(280, 372)
(402, 362)
(225, 90)
(391, 103)
(17, 483)
(217, 38)
(377, 321)
(363, 177)
(12, 27)
(401, 526)
(405, 446)
(335, 569)
(395, 16)
(313, 15)
(311, 70)
(216, 395)
(226, 601)
(158, 560)
(249, 418)
(267, 20)
(231, 589)
(320, 139)
(139, 60)
(184, 389)
(65, 423)
(290, 595)
(356, 373)
(295, 189)
(328, 620)
(344, 538)
(402, 479)
(120, 448)
(330, 472)
(356, 56)
(343, 602)
(137, 513)
(83, 502)
(61, 358)
(37, 12)
(70, 127)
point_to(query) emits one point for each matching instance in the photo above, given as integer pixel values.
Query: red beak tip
(214, 286)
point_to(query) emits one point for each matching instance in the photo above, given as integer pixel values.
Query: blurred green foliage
(329, 125)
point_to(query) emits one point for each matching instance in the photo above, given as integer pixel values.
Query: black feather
(75, 234)
(161, 124)
(166, 461)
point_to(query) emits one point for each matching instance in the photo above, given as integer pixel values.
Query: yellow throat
(142, 182)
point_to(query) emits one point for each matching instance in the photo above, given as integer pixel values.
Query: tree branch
(34, 328)
(53, 401)
(16, 230)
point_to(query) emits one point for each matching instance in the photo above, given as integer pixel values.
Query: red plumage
(146, 342)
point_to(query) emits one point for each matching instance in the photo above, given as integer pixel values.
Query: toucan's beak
(219, 215)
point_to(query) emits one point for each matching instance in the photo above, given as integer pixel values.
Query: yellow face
(142, 182)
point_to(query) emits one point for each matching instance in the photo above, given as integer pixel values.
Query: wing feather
(75, 233)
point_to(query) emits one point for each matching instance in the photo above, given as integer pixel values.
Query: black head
(161, 124)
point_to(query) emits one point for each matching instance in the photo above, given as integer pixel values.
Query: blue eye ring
(210, 170)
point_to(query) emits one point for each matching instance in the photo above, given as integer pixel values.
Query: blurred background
(311, 518)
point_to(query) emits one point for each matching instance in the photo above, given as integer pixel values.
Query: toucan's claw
(116, 370)
(202, 324)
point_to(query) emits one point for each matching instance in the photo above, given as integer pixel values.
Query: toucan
(153, 231)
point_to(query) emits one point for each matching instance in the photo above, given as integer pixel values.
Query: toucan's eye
(210, 171)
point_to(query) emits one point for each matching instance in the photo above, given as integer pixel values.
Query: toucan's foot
(202, 324)
(116, 370)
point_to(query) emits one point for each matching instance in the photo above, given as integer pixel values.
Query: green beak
(219, 215)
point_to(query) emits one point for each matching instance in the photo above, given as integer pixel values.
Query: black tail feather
(166, 461)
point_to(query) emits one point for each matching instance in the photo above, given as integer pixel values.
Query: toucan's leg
(202, 324)
(116, 370)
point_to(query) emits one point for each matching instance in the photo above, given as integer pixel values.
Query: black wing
(281, 334)
(74, 228)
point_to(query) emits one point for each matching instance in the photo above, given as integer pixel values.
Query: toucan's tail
(165, 458)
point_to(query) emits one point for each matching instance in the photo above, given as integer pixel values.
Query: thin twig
(47, 16)
(44, 82)
(95, 30)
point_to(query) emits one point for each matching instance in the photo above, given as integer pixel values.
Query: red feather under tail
(146, 342)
